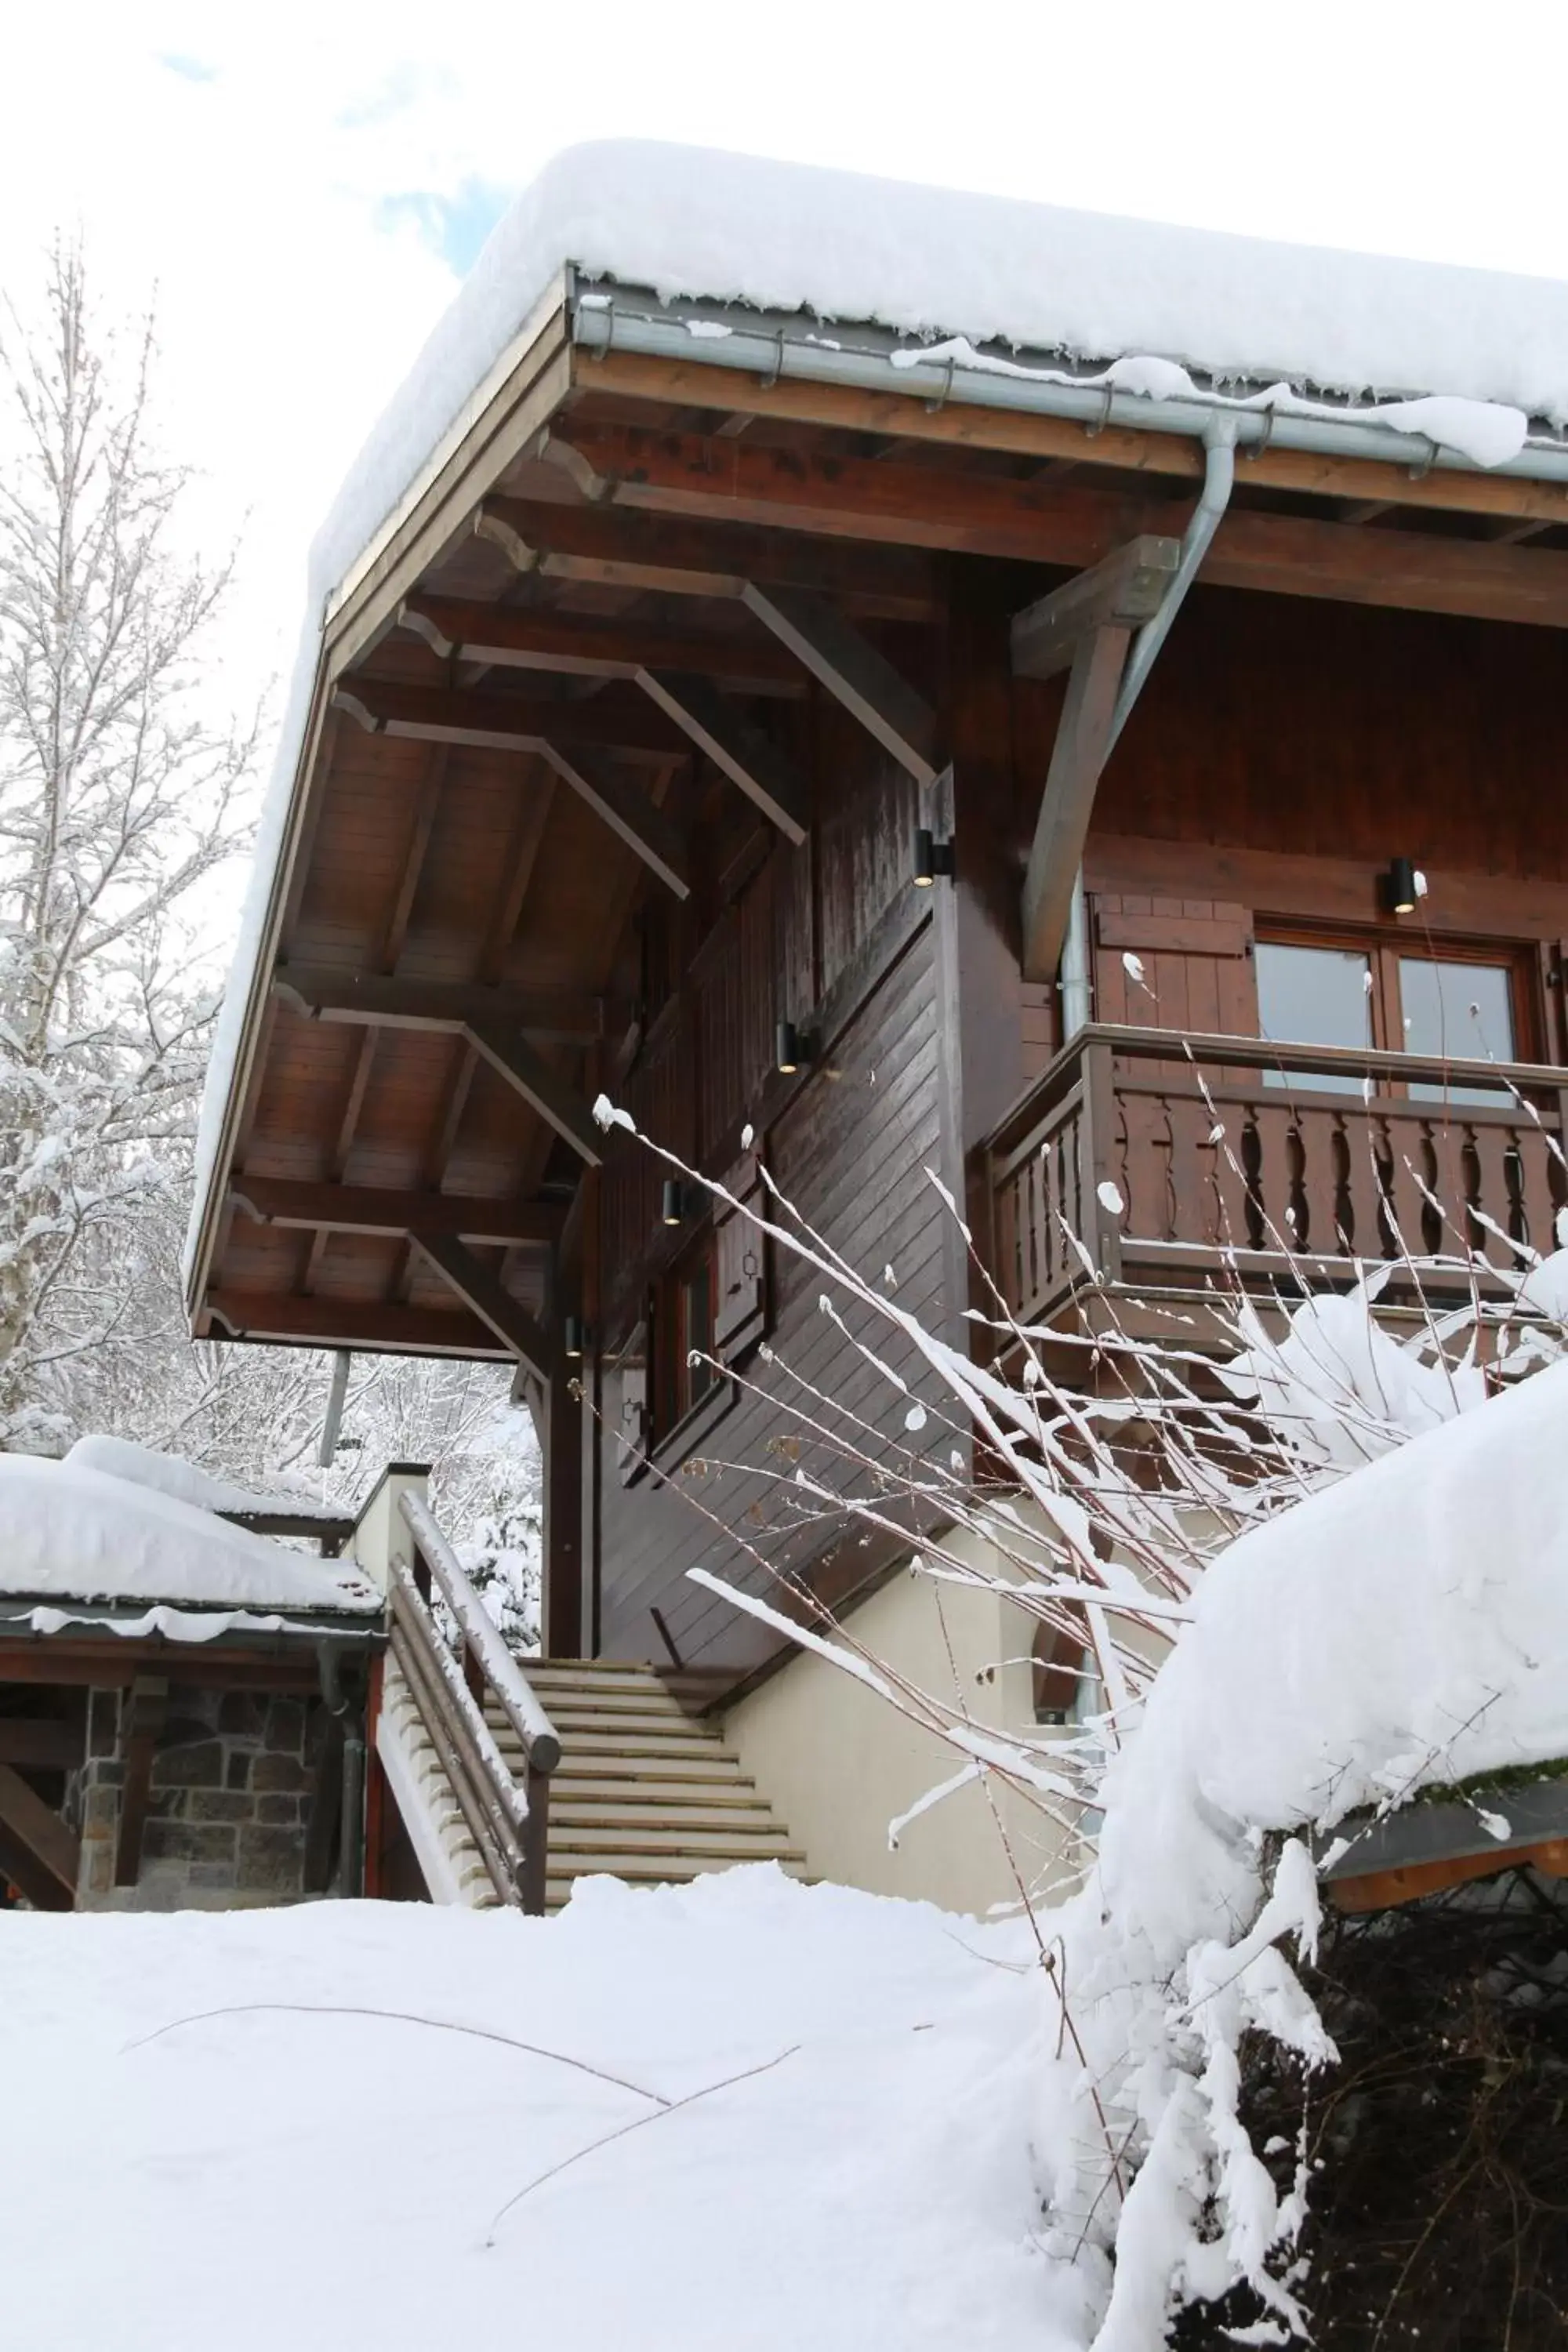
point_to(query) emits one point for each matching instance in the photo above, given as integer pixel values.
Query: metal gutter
(601, 322)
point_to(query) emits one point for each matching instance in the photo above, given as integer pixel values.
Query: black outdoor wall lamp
(793, 1049)
(672, 1207)
(574, 1336)
(1400, 886)
(931, 857)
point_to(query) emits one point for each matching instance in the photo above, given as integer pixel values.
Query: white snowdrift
(166, 1473)
(71, 1532)
(1408, 1625)
(335, 2181)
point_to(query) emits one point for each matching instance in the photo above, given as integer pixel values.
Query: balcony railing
(1170, 1159)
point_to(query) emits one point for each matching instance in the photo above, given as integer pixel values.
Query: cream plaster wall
(838, 1763)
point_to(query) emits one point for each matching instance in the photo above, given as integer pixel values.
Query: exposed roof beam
(1124, 589)
(488, 720)
(557, 1103)
(388, 1326)
(629, 812)
(589, 644)
(42, 1745)
(479, 1288)
(1078, 755)
(382, 1001)
(368, 1209)
(853, 671)
(987, 514)
(421, 825)
(676, 558)
(763, 773)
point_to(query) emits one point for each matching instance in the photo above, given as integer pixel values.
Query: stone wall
(232, 1775)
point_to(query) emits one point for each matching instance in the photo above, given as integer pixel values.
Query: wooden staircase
(643, 1790)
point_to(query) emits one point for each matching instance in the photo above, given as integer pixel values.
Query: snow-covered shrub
(1364, 1566)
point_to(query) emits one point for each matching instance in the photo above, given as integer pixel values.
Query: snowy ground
(325, 2181)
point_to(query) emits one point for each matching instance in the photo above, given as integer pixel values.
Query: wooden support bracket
(558, 1102)
(1122, 591)
(481, 1289)
(854, 672)
(39, 1830)
(629, 812)
(1083, 736)
(762, 772)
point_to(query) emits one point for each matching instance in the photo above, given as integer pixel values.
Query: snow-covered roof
(71, 1532)
(1469, 359)
(166, 1473)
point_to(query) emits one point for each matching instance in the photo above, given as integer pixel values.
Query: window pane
(1461, 1010)
(1313, 996)
(697, 1314)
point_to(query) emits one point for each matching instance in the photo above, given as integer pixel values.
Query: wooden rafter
(1125, 589)
(366, 1209)
(586, 644)
(387, 1326)
(421, 822)
(377, 1000)
(852, 669)
(485, 720)
(481, 1289)
(1061, 827)
(763, 773)
(615, 548)
(687, 475)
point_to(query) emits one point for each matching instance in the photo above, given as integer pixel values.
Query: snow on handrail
(507, 1788)
(540, 1741)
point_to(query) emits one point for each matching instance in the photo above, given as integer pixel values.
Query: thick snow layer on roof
(1490, 351)
(866, 2179)
(1406, 1627)
(167, 1474)
(71, 1532)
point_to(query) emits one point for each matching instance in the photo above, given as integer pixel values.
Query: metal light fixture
(1400, 885)
(571, 1338)
(793, 1049)
(931, 857)
(672, 1203)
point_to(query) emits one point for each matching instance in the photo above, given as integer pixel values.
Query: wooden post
(146, 1710)
(536, 1843)
(562, 1442)
(979, 991)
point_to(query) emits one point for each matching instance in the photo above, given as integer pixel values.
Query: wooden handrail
(509, 1824)
(1353, 1062)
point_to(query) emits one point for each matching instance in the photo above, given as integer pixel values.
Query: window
(1457, 1007)
(686, 1299)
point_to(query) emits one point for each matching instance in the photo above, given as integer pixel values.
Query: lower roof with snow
(77, 1534)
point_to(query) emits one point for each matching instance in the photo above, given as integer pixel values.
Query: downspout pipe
(350, 1820)
(1219, 480)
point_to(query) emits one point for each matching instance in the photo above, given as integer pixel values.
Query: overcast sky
(305, 186)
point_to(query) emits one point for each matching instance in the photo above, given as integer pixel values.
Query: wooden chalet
(866, 754)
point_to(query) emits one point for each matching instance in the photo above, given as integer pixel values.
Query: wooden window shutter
(740, 1266)
(634, 1429)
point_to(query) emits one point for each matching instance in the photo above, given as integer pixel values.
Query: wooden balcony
(1174, 1161)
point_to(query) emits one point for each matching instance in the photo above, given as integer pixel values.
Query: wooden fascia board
(1125, 589)
(365, 1209)
(852, 670)
(557, 1102)
(530, 380)
(906, 416)
(383, 999)
(1061, 827)
(483, 1293)
(384, 1327)
(768, 778)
